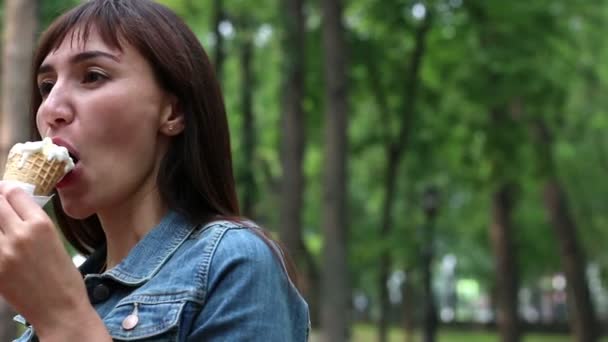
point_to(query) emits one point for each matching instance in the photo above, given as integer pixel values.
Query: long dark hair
(195, 176)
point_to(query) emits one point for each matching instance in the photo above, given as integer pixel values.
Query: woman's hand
(37, 276)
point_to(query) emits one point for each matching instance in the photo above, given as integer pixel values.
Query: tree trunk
(501, 238)
(501, 230)
(292, 153)
(573, 263)
(20, 24)
(385, 260)
(409, 308)
(335, 284)
(218, 17)
(582, 314)
(248, 128)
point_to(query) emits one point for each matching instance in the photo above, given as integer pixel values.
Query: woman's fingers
(8, 216)
(16, 206)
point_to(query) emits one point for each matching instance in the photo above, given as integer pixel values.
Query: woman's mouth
(71, 150)
(70, 177)
(75, 159)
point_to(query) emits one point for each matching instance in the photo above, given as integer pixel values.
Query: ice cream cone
(38, 164)
(36, 170)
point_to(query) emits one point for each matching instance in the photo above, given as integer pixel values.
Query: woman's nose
(56, 109)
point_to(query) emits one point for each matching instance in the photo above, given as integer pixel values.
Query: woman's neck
(125, 225)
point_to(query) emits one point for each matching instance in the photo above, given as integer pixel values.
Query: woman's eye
(45, 88)
(93, 76)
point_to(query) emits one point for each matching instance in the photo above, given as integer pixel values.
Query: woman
(127, 88)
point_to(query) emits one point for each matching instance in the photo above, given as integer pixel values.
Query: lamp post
(430, 204)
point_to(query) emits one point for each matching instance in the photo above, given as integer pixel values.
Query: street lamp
(430, 205)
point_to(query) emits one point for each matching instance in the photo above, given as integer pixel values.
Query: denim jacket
(220, 282)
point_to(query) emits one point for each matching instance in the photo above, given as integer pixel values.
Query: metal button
(101, 292)
(131, 321)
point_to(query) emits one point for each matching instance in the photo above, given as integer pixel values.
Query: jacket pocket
(137, 321)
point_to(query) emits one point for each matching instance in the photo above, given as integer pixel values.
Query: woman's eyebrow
(79, 58)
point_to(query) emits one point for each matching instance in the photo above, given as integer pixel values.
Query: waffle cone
(36, 169)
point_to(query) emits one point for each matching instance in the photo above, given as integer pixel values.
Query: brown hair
(195, 177)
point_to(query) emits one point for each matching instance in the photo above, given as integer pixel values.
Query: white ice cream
(47, 147)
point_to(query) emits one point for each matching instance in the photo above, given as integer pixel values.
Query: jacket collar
(148, 255)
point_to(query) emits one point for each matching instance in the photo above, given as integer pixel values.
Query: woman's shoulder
(236, 239)
(224, 247)
(217, 248)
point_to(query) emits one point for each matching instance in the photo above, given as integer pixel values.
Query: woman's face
(107, 108)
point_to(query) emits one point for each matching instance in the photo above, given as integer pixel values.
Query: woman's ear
(172, 118)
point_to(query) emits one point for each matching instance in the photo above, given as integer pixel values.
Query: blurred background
(433, 167)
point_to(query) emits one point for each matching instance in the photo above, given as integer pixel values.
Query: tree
(507, 285)
(502, 153)
(219, 55)
(246, 177)
(502, 230)
(20, 26)
(335, 287)
(395, 147)
(19, 38)
(292, 146)
(573, 259)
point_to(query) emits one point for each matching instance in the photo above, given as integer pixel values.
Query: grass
(367, 333)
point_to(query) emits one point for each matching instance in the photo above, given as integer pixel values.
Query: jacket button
(101, 292)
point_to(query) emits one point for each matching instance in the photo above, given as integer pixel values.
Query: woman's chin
(77, 215)
(76, 210)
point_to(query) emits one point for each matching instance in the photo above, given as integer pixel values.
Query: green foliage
(519, 60)
(49, 10)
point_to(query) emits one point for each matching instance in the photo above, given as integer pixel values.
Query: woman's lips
(73, 175)
(71, 150)
(70, 178)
